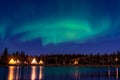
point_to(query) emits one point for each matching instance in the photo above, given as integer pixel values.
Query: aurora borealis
(60, 26)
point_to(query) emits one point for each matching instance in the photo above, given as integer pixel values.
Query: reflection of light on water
(17, 73)
(76, 73)
(33, 75)
(11, 73)
(108, 72)
(116, 73)
(41, 73)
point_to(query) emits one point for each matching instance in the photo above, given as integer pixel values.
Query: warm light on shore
(12, 61)
(25, 62)
(41, 62)
(75, 62)
(34, 61)
(116, 59)
(18, 62)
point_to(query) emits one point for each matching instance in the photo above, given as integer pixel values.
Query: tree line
(63, 59)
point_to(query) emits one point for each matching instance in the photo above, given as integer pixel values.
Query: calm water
(58, 73)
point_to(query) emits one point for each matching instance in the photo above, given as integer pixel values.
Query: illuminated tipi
(34, 61)
(76, 62)
(18, 62)
(25, 62)
(41, 62)
(12, 61)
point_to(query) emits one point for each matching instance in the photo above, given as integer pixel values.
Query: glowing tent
(34, 61)
(75, 62)
(41, 62)
(25, 62)
(18, 62)
(12, 61)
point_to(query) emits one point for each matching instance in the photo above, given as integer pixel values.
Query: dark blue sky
(60, 26)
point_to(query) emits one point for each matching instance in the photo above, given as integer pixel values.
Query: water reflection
(17, 73)
(11, 73)
(59, 73)
(41, 73)
(77, 73)
(116, 73)
(33, 74)
(109, 72)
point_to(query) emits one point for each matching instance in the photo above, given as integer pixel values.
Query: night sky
(60, 26)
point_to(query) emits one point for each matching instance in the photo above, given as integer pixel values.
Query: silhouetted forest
(63, 59)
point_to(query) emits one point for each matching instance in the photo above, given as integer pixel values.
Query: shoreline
(54, 65)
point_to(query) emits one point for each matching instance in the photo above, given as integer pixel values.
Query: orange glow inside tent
(34, 61)
(18, 62)
(25, 62)
(75, 62)
(12, 61)
(41, 62)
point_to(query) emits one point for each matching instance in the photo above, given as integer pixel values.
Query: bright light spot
(34, 61)
(41, 62)
(18, 62)
(12, 61)
(75, 62)
(116, 59)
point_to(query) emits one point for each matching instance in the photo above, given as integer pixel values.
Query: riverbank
(83, 65)
(57, 65)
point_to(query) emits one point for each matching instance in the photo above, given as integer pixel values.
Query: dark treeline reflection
(59, 73)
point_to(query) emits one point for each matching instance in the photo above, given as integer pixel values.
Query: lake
(58, 73)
